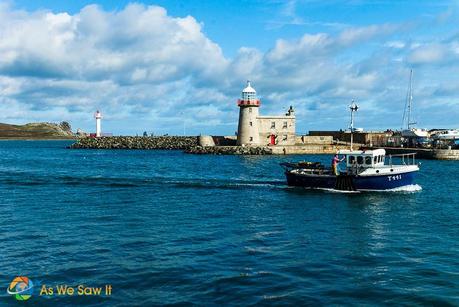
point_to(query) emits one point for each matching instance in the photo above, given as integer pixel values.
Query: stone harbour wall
(446, 154)
(136, 142)
(230, 150)
(266, 150)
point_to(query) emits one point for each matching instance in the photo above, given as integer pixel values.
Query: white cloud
(395, 44)
(144, 68)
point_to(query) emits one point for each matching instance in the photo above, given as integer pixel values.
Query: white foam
(337, 191)
(408, 188)
(412, 188)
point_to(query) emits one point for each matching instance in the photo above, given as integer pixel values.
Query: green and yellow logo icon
(21, 287)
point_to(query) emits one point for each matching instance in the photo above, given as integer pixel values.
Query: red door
(273, 139)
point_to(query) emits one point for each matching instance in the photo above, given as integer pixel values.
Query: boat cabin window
(376, 159)
(368, 160)
(359, 160)
(351, 159)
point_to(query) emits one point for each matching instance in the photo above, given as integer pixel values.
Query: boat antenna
(354, 107)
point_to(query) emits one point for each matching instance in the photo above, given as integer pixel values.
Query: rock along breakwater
(230, 150)
(136, 142)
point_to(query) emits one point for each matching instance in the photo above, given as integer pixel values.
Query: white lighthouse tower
(98, 117)
(247, 132)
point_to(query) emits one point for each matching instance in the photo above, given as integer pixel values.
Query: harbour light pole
(354, 107)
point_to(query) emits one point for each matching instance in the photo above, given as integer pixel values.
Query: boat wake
(412, 188)
(338, 191)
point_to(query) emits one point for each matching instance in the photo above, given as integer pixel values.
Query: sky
(175, 67)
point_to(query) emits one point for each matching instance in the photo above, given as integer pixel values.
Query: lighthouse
(247, 131)
(98, 117)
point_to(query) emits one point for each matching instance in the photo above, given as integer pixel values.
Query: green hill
(36, 131)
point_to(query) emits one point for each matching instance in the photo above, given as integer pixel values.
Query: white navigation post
(354, 107)
(98, 117)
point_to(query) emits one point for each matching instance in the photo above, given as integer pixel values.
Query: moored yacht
(446, 135)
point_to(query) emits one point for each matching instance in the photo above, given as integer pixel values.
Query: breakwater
(191, 144)
(136, 142)
(230, 150)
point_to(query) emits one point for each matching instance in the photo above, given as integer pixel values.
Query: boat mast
(354, 107)
(410, 99)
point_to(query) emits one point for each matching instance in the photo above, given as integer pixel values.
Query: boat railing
(406, 158)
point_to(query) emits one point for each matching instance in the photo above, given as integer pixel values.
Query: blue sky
(159, 66)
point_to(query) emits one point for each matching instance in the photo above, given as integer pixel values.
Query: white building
(256, 130)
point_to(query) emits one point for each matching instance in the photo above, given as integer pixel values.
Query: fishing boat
(365, 170)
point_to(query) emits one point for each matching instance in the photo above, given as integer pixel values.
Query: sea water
(164, 227)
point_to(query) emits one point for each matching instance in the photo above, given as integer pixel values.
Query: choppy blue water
(163, 227)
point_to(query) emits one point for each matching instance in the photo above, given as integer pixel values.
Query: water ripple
(169, 228)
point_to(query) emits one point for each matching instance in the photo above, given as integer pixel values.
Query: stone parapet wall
(307, 149)
(308, 139)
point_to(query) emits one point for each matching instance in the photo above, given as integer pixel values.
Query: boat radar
(354, 107)
(98, 117)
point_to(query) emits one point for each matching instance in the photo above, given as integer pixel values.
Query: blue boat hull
(359, 183)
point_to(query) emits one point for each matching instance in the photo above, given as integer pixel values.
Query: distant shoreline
(35, 139)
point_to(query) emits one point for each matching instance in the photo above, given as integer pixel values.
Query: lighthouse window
(251, 139)
(250, 124)
(273, 125)
(285, 125)
(250, 110)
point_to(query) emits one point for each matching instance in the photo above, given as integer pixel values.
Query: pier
(424, 153)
